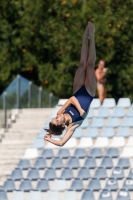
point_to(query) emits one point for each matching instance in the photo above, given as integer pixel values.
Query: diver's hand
(47, 136)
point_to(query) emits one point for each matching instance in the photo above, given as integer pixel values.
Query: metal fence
(22, 93)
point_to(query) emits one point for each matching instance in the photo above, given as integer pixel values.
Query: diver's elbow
(62, 143)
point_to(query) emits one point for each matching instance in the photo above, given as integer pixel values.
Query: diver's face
(58, 120)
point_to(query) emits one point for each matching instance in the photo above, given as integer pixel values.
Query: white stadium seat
(85, 142)
(95, 103)
(130, 142)
(59, 185)
(52, 146)
(118, 142)
(127, 152)
(124, 102)
(30, 153)
(71, 143)
(61, 102)
(102, 142)
(109, 103)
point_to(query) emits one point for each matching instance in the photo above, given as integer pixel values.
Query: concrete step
(23, 120)
(16, 149)
(14, 156)
(16, 146)
(9, 161)
(28, 127)
(15, 142)
(11, 151)
(8, 156)
(32, 124)
(20, 134)
(5, 169)
(19, 137)
(37, 129)
(21, 131)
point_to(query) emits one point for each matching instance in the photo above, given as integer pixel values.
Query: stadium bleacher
(95, 164)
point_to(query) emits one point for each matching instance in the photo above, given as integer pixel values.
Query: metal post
(50, 99)
(29, 95)
(5, 109)
(18, 91)
(40, 97)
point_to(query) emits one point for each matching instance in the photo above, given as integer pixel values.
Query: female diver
(74, 111)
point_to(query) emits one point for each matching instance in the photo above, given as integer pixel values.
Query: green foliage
(41, 40)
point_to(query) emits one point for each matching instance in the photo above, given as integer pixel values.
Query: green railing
(22, 93)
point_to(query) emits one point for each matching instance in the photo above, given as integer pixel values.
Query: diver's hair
(55, 129)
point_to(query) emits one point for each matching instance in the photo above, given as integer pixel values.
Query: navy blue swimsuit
(84, 99)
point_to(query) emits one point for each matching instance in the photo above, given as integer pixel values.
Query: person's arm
(70, 130)
(100, 76)
(62, 109)
(75, 102)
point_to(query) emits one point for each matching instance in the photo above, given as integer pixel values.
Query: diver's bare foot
(91, 28)
(86, 33)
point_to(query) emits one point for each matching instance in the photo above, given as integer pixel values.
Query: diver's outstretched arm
(70, 130)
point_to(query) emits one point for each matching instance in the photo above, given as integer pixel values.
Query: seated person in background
(100, 73)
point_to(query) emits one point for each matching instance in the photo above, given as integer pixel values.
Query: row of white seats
(107, 103)
(101, 142)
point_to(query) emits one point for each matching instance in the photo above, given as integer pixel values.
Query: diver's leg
(80, 73)
(90, 80)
